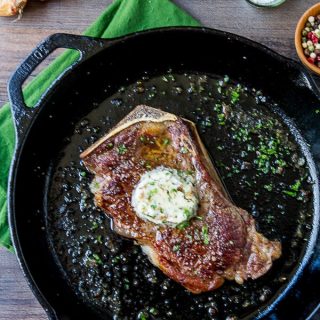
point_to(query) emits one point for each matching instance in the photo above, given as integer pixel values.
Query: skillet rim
(21, 139)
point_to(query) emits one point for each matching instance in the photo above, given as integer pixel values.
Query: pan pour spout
(155, 180)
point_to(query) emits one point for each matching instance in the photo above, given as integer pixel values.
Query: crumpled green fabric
(120, 18)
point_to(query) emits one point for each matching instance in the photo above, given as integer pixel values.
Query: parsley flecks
(270, 156)
(152, 193)
(165, 79)
(268, 187)
(221, 119)
(292, 194)
(148, 165)
(205, 234)
(99, 239)
(184, 150)
(235, 96)
(189, 236)
(95, 225)
(142, 316)
(183, 225)
(176, 248)
(95, 184)
(153, 311)
(294, 188)
(122, 149)
(187, 213)
(166, 141)
(95, 259)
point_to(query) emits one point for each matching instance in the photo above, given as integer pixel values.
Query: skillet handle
(21, 113)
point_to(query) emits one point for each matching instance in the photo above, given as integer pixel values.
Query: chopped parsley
(176, 248)
(268, 187)
(221, 119)
(205, 234)
(154, 311)
(151, 193)
(148, 165)
(184, 150)
(99, 239)
(143, 316)
(183, 225)
(116, 259)
(294, 188)
(292, 194)
(127, 286)
(166, 141)
(95, 259)
(95, 225)
(122, 149)
(187, 213)
(95, 184)
(165, 79)
(235, 96)
(189, 236)
(146, 139)
(250, 147)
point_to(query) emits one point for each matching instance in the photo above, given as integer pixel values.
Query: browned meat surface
(230, 248)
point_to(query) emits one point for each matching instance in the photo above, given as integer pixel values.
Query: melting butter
(166, 196)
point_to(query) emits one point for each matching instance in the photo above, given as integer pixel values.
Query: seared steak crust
(220, 243)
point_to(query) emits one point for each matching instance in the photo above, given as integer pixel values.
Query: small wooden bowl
(313, 11)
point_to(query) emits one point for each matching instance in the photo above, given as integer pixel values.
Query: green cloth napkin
(120, 18)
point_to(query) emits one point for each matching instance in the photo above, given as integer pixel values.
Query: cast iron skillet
(114, 62)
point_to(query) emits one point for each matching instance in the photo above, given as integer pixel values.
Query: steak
(220, 242)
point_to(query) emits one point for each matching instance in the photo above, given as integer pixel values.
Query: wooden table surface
(272, 27)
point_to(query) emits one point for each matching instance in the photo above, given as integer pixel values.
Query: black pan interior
(98, 78)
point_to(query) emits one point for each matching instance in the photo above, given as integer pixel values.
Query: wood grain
(272, 27)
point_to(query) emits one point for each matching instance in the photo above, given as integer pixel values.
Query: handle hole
(44, 64)
(44, 81)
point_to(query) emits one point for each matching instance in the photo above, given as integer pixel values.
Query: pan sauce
(260, 162)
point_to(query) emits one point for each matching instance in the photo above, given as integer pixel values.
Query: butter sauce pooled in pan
(155, 180)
